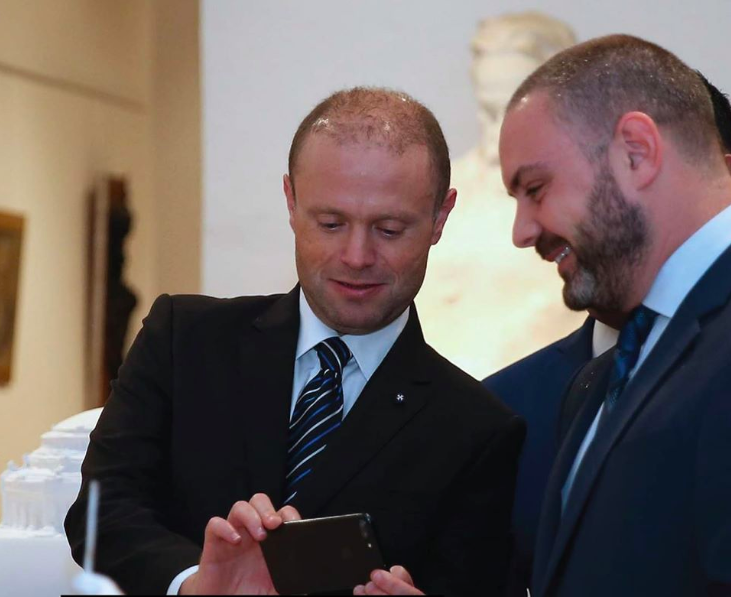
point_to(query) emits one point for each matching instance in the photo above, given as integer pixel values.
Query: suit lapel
(267, 370)
(374, 419)
(577, 346)
(709, 294)
(588, 389)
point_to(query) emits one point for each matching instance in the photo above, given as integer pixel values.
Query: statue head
(506, 49)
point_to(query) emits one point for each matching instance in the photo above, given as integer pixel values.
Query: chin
(348, 323)
(579, 293)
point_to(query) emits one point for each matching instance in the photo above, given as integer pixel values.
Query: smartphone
(322, 555)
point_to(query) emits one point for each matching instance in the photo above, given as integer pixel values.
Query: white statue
(485, 303)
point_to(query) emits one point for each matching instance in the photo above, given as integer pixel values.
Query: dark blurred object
(11, 239)
(110, 300)
(721, 112)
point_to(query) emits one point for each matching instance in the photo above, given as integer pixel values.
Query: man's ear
(289, 194)
(441, 218)
(636, 151)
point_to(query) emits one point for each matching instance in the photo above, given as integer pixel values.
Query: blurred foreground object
(88, 582)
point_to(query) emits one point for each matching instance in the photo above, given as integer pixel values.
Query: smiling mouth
(563, 254)
(359, 286)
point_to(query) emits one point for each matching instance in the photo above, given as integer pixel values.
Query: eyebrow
(402, 216)
(522, 172)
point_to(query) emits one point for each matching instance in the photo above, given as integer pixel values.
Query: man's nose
(359, 252)
(526, 229)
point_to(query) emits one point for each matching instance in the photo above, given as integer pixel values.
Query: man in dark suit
(619, 176)
(229, 416)
(534, 387)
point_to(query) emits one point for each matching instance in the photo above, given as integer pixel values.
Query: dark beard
(609, 246)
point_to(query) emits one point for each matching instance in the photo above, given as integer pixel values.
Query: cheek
(312, 253)
(405, 261)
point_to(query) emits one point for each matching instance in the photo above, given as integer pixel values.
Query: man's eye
(533, 191)
(329, 225)
(390, 232)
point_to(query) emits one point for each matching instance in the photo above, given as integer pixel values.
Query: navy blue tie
(317, 414)
(631, 338)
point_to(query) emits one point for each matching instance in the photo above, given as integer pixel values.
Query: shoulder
(553, 362)
(187, 317)
(465, 398)
(187, 308)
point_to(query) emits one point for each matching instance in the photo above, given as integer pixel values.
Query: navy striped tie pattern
(317, 414)
(631, 338)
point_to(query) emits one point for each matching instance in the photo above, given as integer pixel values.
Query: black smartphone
(322, 555)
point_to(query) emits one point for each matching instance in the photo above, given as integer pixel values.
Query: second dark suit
(533, 387)
(198, 420)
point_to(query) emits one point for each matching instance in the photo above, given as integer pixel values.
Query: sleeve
(712, 493)
(128, 453)
(470, 553)
(178, 581)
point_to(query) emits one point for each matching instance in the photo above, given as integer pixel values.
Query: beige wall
(177, 146)
(79, 97)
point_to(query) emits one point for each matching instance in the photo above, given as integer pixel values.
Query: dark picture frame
(11, 242)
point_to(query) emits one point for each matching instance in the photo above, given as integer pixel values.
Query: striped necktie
(317, 414)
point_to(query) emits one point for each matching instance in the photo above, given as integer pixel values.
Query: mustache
(547, 243)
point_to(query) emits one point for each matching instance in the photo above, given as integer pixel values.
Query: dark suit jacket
(533, 387)
(198, 420)
(650, 509)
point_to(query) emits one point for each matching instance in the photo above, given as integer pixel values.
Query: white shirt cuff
(178, 580)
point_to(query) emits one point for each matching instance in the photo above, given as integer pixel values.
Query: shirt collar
(603, 338)
(368, 349)
(688, 263)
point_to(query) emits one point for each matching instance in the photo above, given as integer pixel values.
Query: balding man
(230, 416)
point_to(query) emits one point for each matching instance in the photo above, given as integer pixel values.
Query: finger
(359, 590)
(393, 585)
(289, 513)
(244, 518)
(401, 573)
(218, 528)
(372, 589)
(264, 507)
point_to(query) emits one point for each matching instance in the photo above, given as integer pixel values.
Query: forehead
(532, 138)
(333, 168)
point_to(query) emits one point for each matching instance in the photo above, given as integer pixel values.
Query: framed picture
(11, 240)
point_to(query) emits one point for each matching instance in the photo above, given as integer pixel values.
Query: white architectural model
(486, 303)
(35, 558)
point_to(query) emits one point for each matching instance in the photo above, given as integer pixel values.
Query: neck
(684, 207)
(490, 136)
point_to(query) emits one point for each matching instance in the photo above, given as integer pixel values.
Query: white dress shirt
(368, 351)
(676, 278)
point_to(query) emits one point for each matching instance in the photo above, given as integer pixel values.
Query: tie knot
(334, 354)
(635, 331)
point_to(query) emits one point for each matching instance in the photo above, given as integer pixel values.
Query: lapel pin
(400, 398)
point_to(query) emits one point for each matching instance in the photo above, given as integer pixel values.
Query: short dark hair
(380, 116)
(721, 112)
(591, 85)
